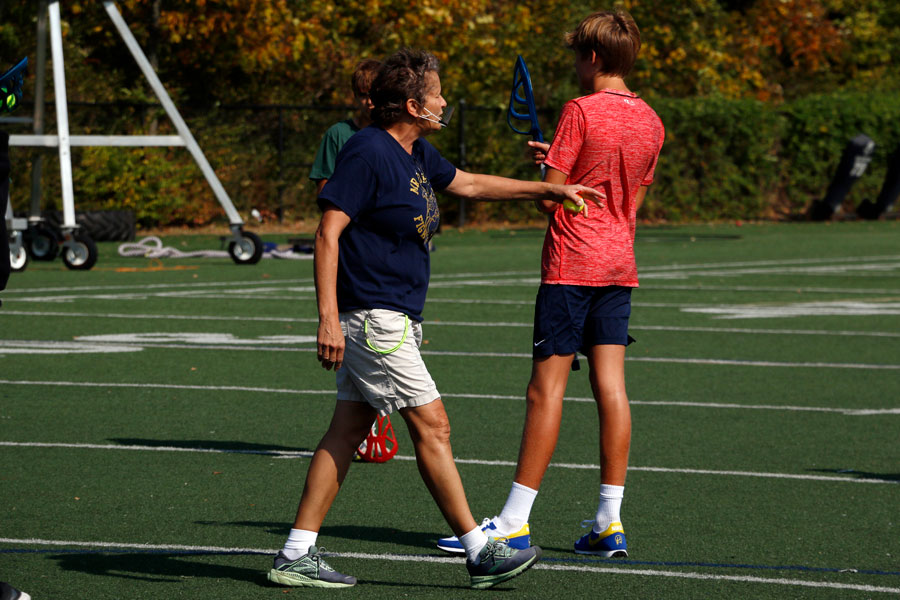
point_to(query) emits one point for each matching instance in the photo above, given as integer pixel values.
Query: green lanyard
(395, 348)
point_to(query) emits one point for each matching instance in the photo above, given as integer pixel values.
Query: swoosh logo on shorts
(536, 344)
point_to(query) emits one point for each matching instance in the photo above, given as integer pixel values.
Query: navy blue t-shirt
(389, 196)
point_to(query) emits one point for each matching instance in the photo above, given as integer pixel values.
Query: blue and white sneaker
(519, 540)
(608, 544)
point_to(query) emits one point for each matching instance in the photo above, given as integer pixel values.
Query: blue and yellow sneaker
(520, 540)
(608, 544)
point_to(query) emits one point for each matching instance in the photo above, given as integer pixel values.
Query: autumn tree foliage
(291, 51)
(703, 62)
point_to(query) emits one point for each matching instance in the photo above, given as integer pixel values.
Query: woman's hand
(330, 338)
(330, 344)
(574, 197)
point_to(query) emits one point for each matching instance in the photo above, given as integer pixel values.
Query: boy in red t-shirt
(608, 140)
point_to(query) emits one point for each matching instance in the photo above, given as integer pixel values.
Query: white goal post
(64, 141)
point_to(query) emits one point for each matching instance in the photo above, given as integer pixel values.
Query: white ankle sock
(298, 543)
(609, 507)
(517, 509)
(473, 542)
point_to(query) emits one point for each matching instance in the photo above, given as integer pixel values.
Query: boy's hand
(539, 151)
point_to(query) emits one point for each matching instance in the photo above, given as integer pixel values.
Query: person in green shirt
(339, 133)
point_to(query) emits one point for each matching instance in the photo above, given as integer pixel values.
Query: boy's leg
(350, 424)
(607, 375)
(543, 414)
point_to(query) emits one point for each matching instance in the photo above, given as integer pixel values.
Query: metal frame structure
(245, 247)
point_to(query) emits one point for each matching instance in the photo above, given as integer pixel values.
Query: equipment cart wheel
(18, 258)
(79, 253)
(42, 242)
(248, 250)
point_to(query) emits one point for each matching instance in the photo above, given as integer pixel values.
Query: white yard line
(327, 392)
(441, 323)
(51, 346)
(456, 561)
(460, 461)
(773, 263)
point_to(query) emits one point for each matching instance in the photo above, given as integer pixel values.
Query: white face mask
(435, 119)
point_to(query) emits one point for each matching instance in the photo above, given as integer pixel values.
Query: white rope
(152, 247)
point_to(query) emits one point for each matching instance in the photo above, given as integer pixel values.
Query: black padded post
(856, 157)
(889, 193)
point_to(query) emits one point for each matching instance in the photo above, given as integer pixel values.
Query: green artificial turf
(164, 463)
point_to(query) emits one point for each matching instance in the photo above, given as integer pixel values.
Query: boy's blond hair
(614, 36)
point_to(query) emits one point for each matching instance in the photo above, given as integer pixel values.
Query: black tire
(108, 225)
(18, 261)
(100, 225)
(42, 242)
(81, 257)
(248, 251)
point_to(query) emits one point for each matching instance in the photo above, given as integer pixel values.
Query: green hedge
(817, 128)
(722, 159)
(726, 159)
(719, 161)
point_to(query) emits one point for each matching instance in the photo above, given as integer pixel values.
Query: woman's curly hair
(401, 77)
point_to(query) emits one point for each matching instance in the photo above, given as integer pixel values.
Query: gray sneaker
(498, 563)
(310, 570)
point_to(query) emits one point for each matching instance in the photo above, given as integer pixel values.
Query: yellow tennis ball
(572, 207)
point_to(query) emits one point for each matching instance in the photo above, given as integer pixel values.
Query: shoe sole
(604, 553)
(451, 550)
(297, 580)
(483, 582)
(513, 543)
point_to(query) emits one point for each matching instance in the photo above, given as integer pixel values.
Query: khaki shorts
(382, 365)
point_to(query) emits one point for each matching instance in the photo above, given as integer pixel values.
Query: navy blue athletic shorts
(570, 318)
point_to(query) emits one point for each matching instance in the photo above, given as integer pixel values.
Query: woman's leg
(607, 363)
(429, 429)
(350, 424)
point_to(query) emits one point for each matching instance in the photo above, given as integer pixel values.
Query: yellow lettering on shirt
(418, 185)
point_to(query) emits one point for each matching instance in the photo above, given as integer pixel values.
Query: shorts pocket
(385, 330)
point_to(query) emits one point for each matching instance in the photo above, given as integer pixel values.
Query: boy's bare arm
(639, 199)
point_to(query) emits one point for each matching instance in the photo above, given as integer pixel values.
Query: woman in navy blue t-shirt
(372, 268)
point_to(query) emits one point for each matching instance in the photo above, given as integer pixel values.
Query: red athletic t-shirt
(609, 141)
